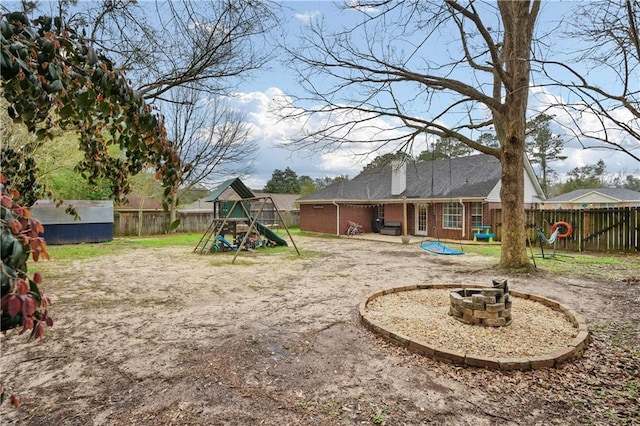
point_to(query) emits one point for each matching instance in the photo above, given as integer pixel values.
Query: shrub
(22, 303)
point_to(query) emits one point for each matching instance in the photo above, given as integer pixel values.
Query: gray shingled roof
(284, 202)
(621, 194)
(462, 177)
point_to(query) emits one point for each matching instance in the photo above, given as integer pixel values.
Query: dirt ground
(167, 337)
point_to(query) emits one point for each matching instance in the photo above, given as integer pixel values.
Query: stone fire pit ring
(573, 349)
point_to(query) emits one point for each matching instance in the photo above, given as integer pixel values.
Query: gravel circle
(423, 316)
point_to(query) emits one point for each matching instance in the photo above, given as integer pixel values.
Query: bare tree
(210, 136)
(176, 54)
(208, 45)
(601, 79)
(420, 63)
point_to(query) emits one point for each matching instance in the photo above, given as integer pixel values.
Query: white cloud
(361, 6)
(567, 124)
(306, 17)
(274, 137)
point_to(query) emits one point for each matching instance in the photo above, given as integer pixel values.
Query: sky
(254, 99)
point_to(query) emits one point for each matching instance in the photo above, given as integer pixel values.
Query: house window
(318, 206)
(476, 215)
(452, 216)
(381, 212)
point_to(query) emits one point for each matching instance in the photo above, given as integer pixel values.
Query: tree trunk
(545, 178)
(173, 209)
(140, 214)
(510, 122)
(514, 249)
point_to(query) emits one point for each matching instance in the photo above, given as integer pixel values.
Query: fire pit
(419, 317)
(489, 307)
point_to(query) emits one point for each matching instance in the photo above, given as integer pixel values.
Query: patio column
(404, 215)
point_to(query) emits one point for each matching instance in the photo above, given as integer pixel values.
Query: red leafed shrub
(22, 303)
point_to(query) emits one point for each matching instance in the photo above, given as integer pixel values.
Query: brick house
(446, 198)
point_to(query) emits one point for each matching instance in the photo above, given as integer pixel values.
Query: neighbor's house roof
(198, 205)
(283, 202)
(137, 201)
(601, 195)
(475, 176)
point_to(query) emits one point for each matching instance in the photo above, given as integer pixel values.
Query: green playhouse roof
(235, 184)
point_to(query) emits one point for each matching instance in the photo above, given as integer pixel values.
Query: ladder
(214, 229)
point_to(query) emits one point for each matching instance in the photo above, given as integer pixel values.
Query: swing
(437, 247)
(553, 239)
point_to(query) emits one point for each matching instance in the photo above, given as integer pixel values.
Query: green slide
(270, 234)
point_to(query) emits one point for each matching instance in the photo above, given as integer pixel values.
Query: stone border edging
(572, 351)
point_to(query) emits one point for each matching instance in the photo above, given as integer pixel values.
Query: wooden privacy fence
(598, 230)
(154, 222)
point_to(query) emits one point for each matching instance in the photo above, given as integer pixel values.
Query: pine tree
(543, 148)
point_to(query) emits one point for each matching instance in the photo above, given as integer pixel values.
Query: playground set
(234, 227)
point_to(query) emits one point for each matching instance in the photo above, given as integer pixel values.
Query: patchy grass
(604, 267)
(623, 336)
(178, 239)
(484, 250)
(89, 250)
(607, 267)
(317, 235)
(613, 379)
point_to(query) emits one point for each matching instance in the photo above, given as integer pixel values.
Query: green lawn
(605, 266)
(88, 250)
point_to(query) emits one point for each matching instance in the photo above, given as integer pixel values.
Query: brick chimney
(398, 177)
